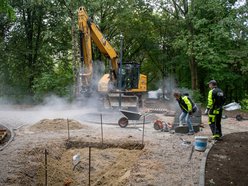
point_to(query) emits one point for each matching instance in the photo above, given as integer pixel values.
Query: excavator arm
(85, 51)
(88, 32)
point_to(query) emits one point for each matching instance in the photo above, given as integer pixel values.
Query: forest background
(175, 41)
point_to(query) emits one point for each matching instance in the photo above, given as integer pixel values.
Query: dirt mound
(227, 162)
(56, 124)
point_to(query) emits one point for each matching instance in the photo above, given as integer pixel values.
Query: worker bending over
(186, 107)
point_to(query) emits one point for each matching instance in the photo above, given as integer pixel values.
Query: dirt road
(164, 160)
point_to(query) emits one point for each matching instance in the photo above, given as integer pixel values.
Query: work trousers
(185, 116)
(214, 121)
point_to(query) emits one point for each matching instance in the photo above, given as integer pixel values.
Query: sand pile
(56, 124)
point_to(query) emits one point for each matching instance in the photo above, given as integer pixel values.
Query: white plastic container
(201, 143)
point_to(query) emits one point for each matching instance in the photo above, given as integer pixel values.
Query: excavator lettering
(124, 84)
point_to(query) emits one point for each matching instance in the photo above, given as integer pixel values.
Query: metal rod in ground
(101, 130)
(68, 127)
(144, 119)
(45, 167)
(89, 163)
(191, 153)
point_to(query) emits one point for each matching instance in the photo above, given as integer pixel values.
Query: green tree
(37, 42)
(220, 49)
(213, 35)
(6, 9)
(193, 41)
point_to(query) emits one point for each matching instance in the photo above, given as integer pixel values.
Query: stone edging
(203, 165)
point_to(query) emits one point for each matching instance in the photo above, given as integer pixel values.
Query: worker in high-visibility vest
(214, 109)
(186, 107)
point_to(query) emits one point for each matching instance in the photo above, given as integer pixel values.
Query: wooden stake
(68, 127)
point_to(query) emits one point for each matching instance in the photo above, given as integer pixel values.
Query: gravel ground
(165, 159)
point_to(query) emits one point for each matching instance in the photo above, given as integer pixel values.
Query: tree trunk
(194, 76)
(193, 63)
(192, 59)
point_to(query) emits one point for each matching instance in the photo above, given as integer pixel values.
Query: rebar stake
(143, 130)
(89, 163)
(101, 130)
(45, 167)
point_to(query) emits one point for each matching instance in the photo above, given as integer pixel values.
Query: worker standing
(186, 106)
(216, 100)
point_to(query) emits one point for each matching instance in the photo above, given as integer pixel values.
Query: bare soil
(118, 156)
(227, 162)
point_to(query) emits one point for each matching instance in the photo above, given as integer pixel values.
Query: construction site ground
(118, 156)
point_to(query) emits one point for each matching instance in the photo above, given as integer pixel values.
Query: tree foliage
(191, 41)
(5, 8)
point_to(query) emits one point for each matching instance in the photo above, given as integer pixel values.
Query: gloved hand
(206, 111)
(190, 112)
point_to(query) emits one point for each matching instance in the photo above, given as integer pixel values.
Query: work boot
(217, 137)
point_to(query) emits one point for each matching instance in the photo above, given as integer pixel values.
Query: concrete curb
(10, 140)
(203, 165)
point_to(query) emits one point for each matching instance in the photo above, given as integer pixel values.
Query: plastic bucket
(201, 143)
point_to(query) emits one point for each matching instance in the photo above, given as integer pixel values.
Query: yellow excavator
(124, 85)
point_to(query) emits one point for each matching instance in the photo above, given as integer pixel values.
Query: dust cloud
(53, 107)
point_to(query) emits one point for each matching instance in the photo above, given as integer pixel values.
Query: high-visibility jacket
(213, 101)
(210, 99)
(185, 104)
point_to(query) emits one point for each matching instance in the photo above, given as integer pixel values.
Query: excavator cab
(130, 76)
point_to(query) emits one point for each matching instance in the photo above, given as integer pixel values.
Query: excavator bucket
(129, 102)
